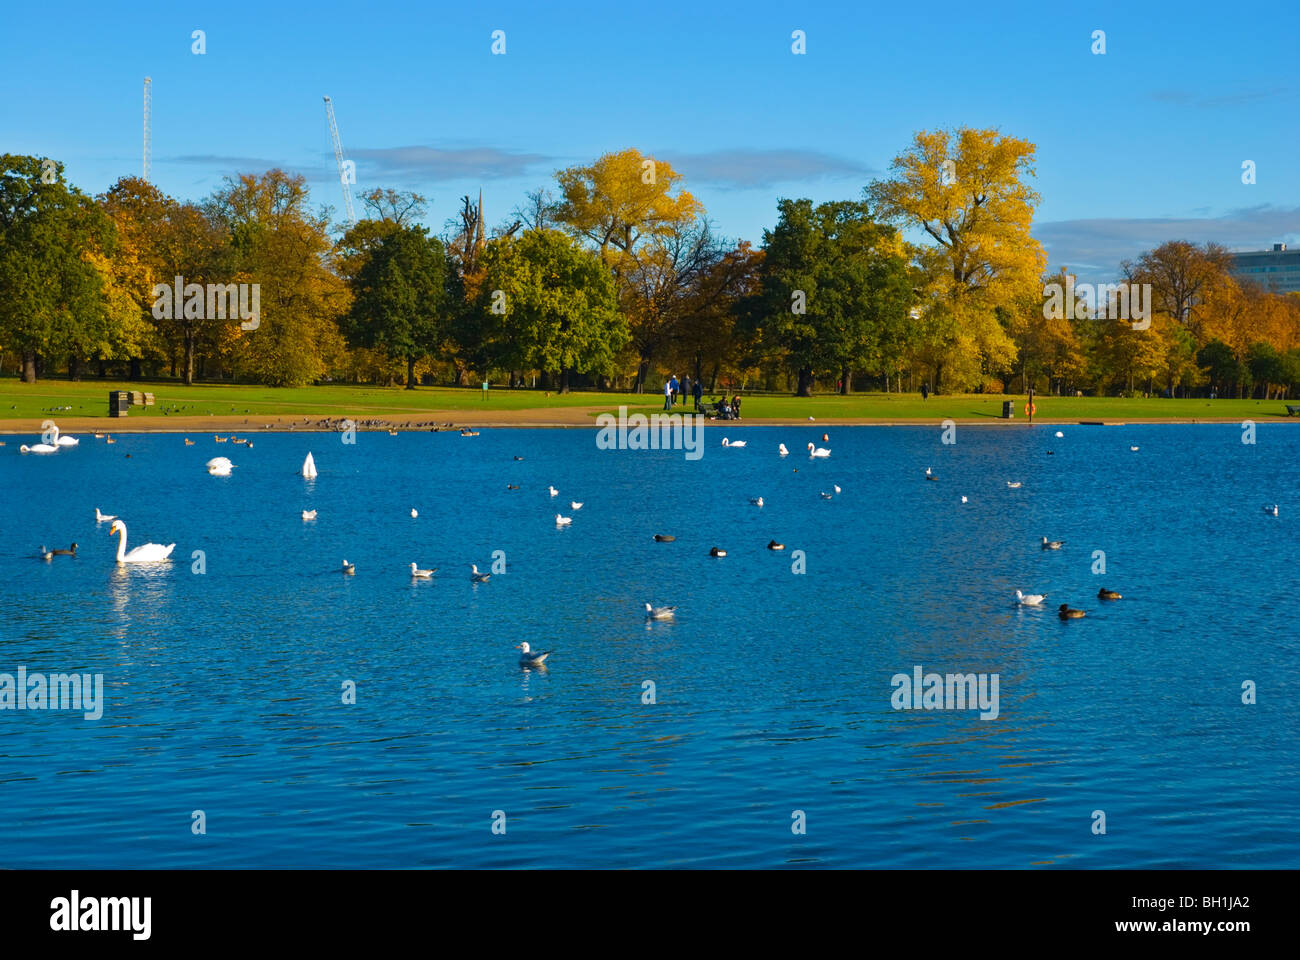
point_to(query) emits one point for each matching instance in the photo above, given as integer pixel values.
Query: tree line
(612, 277)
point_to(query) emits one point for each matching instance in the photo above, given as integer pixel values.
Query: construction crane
(346, 171)
(148, 126)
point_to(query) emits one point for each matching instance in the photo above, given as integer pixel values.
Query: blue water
(772, 688)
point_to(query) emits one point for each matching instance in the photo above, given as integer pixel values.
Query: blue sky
(1137, 146)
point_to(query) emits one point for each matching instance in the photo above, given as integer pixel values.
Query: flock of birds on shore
(53, 441)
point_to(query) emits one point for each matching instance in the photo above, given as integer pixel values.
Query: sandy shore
(198, 426)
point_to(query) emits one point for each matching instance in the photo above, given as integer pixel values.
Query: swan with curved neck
(147, 553)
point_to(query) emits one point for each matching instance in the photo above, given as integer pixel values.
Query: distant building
(1276, 270)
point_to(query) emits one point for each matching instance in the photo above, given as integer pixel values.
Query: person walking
(699, 394)
(668, 394)
(675, 388)
(925, 391)
(686, 388)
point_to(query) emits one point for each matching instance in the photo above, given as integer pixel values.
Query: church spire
(478, 239)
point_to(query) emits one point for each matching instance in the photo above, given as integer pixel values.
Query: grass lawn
(89, 398)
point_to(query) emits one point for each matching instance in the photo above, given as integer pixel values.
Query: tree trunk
(134, 372)
(410, 374)
(846, 381)
(29, 367)
(189, 358)
(564, 379)
(102, 370)
(642, 371)
(805, 382)
(74, 367)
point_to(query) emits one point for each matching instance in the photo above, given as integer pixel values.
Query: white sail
(309, 467)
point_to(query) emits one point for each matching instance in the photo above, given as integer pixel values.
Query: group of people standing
(674, 390)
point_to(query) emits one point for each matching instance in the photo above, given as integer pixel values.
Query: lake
(771, 690)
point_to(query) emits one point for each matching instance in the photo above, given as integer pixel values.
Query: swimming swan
(147, 553)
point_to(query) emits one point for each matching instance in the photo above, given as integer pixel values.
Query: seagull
(1013, 484)
(422, 574)
(349, 568)
(659, 613)
(1135, 449)
(102, 517)
(414, 513)
(1271, 510)
(562, 521)
(836, 486)
(554, 492)
(528, 658)
(818, 451)
(1059, 433)
(780, 448)
(1052, 544)
(929, 475)
(477, 577)
(309, 514)
(756, 501)
(825, 495)
(1030, 599)
(737, 443)
(575, 505)
(963, 499)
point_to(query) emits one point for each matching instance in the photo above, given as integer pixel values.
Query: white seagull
(1014, 485)
(756, 501)
(1030, 599)
(659, 613)
(529, 657)
(103, 517)
(554, 492)
(562, 521)
(414, 513)
(309, 514)
(1059, 433)
(818, 451)
(1052, 544)
(476, 576)
(1271, 510)
(420, 574)
(963, 499)
(575, 505)
(836, 486)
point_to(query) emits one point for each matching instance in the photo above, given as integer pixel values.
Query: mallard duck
(1067, 613)
(1104, 594)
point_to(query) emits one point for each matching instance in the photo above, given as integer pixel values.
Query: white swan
(818, 451)
(309, 514)
(530, 658)
(420, 574)
(41, 447)
(737, 443)
(59, 441)
(220, 466)
(553, 491)
(309, 467)
(780, 448)
(562, 521)
(574, 505)
(1030, 599)
(659, 613)
(147, 553)
(103, 517)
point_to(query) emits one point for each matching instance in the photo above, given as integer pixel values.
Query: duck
(512, 486)
(1135, 449)
(1271, 510)
(553, 491)
(189, 442)
(1067, 613)
(109, 440)
(103, 517)
(309, 514)
(735, 443)
(70, 552)
(780, 448)
(518, 458)
(756, 501)
(1104, 594)
(45, 554)
(659, 613)
(1030, 599)
(420, 574)
(1052, 544)
(1014, 484)
(218, 439)
(348, 568)
(818, 451)
(773, 545)
(717, 552)
(477, 577)
(562, 521)
(664, 538)
(530, 658)
(575, 505)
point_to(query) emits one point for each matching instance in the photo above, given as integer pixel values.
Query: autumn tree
(966, 190)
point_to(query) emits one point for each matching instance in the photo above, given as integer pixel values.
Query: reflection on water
(771, 689)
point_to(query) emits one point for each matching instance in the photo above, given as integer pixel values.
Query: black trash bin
(119, 403)
(1008, 409)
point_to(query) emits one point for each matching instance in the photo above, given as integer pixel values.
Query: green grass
(89, 398)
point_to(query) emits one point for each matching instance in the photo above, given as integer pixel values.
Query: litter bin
(119, 403)
(1008, 409)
